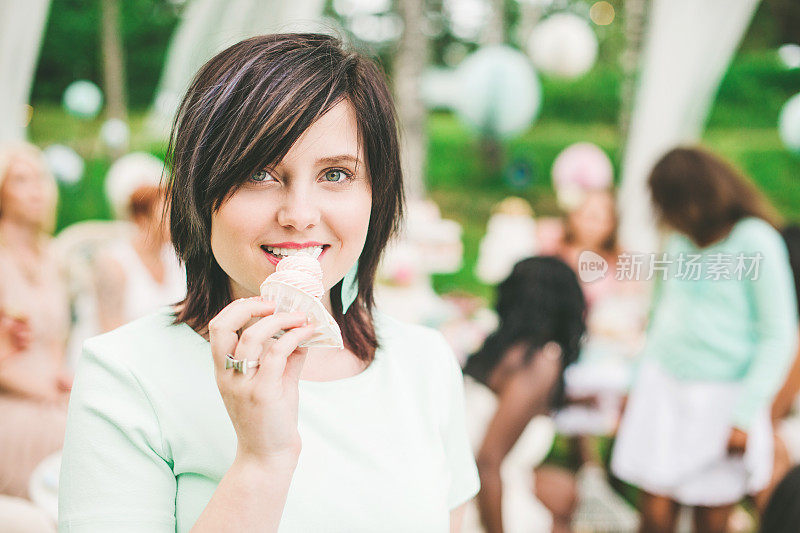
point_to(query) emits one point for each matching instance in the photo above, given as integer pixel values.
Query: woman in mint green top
(750, 324)
(196, 418)
(723, 332)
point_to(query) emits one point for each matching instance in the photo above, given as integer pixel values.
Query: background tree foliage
(742, 125)
(71, 47)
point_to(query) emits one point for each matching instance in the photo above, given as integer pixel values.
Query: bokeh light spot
(602, 13)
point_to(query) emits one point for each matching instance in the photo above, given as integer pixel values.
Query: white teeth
(314, 251)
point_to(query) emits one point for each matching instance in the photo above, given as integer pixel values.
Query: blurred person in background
(136, 275)
(782, 513)
(616, 312)
(696, 429)
(541, 310)
(786, 440)
(513, 234)
(34, 381)
(18, 515)
(591, 226)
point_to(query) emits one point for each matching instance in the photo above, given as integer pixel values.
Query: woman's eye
(261, 175)
(336, 176)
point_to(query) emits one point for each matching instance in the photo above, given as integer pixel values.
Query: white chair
(18, 515)
(43, 485)
(77, 246)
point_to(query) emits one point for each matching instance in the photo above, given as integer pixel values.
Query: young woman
(34, 379)
(282, 141)
(541, 308)
(591, 226)
(696, 430)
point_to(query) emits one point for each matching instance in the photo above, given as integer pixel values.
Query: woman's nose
(298, 210)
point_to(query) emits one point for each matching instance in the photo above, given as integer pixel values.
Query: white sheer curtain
(688, 47)
(21, 31)
(207, 27)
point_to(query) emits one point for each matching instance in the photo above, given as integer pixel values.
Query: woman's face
(594, 221)
(319, 195)
(26, 195)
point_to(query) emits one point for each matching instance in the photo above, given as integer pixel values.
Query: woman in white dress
(136, 275)
(282, 142)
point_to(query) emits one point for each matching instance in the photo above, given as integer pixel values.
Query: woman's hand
(21, 332)
(263, 403)
(15, 335)
(737, 442)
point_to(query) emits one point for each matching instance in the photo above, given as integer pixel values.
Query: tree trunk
(635, 16)
(494, 32)
(529, 17)
(113, 61)
(409, 63)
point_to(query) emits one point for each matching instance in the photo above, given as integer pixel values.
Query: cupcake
(296, 285)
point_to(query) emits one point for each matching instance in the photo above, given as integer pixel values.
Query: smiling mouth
(280, 253)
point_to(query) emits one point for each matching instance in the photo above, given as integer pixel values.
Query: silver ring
(239, 365)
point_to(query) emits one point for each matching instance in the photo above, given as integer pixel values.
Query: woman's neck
(18, 236)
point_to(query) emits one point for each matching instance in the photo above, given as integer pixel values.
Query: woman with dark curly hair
(542, 309)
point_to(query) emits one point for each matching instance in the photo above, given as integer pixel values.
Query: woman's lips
(274, 259)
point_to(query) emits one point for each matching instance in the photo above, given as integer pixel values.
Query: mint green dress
(148, 438)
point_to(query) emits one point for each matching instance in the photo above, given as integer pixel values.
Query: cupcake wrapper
(289, 299)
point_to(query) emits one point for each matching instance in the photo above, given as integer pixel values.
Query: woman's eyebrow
(334, 159)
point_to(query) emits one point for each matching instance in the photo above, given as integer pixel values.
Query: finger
(273, 364)
(294, 364)
(552, 351)
(223, 327)
(252, 340)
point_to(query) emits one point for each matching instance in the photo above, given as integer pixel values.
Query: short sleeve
(114, 475)
(464, 480)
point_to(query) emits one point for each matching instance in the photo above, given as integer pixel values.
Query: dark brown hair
(244, 110)
(702, 196)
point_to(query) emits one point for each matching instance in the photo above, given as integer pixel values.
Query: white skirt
(672, 441)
